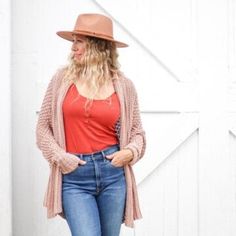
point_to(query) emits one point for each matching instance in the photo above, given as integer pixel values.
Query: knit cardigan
(50, 139)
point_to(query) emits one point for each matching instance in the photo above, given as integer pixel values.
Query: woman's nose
(74, 47)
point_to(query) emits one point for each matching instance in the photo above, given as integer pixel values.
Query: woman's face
(78, 46)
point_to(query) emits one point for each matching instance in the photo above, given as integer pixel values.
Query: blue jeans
(94, 194)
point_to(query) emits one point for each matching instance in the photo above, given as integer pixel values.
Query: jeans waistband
(102, 153)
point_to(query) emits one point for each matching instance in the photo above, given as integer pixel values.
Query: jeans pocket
(77, 168)
(73, 171)
(117, 167)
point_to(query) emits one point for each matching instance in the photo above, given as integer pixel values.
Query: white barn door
(182, 59)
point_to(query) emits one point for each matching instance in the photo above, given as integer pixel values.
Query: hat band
(93, 33)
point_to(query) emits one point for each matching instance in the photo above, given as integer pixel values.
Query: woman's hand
(120, 158)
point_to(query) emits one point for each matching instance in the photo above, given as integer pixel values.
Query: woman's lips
(77, 55)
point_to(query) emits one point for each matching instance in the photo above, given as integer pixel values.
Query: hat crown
(94, 23)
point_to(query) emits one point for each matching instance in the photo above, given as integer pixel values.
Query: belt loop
(80, 155)
(103, 154)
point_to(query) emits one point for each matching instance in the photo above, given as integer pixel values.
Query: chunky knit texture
(50, 139)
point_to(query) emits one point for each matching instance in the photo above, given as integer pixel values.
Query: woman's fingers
(82, 162)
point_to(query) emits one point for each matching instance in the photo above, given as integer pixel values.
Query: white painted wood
(163, 141)
(5, 120)
(199, 30)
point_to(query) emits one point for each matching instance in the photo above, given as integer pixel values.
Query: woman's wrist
(130, 154)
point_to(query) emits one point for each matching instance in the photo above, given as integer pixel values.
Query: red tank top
(91, 131)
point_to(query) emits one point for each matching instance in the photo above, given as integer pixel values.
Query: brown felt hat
(91, 24)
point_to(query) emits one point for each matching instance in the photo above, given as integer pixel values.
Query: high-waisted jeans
(94, 194)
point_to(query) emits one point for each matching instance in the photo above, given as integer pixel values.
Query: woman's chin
(77, 61)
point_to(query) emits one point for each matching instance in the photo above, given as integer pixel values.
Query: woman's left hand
(120, 158)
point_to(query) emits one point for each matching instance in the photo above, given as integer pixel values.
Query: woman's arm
(137, 142)
(45, 140)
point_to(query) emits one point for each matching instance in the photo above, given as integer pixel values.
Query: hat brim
(68, 35)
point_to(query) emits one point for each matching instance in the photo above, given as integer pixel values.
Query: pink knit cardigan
(50, 139)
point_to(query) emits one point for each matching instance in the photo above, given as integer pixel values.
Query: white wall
(5, 120)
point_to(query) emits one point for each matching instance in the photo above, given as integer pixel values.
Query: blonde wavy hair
(96, 67)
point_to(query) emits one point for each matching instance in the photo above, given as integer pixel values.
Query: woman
(89, 130)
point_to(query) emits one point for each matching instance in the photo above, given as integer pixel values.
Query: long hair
(96, 67)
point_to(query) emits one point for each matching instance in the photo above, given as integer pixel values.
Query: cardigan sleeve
(45, 140)
(137, 142)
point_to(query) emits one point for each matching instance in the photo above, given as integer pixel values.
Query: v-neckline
(93, 99)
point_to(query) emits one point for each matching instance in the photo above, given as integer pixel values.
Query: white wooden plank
(5, 119)
(152, 202)
(187, 155)
(170, 204)
(214, 172)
